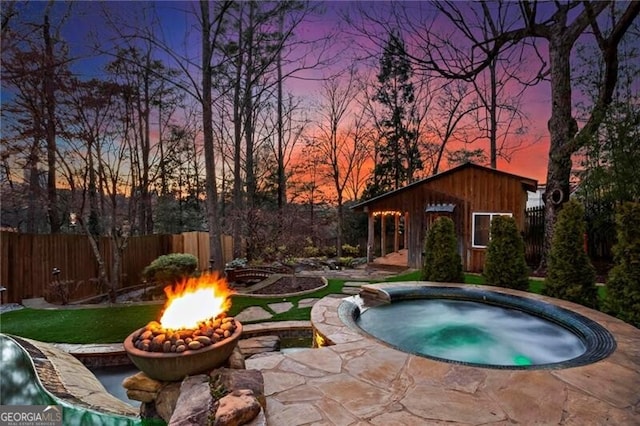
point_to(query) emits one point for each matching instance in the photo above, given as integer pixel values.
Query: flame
(195, 300)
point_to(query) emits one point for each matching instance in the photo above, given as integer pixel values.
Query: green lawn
(113, 324)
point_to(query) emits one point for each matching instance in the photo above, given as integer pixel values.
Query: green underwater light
(521, 360)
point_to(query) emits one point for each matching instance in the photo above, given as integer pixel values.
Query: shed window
(481, 228)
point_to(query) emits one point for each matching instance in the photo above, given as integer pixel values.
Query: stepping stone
(281, 307)
(306, 303)
(355, 283)
(253, 313)
(350, 290)
(259, 345)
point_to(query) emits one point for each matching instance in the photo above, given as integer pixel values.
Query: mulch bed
(286, 285)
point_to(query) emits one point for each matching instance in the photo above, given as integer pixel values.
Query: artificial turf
(109, 324)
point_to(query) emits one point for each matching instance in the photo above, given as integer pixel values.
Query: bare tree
(209, 42)
(340, 145)
(34, 66)
(448, 120)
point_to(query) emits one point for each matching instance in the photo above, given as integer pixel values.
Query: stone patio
(359, 380)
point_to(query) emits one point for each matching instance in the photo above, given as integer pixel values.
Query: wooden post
(406, 230)
(396, 233)
(371, 240)
(383, 236)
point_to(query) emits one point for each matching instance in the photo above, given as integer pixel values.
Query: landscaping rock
(258, 345)
(259, 420)
(167, 399)
(141, 382)
(195, 402)
(140, 395)
(237, 408)
(148, 411)
(241, 379)
(236, 359)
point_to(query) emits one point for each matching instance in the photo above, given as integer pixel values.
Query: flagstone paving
(280, 307)
(307, 303)
(360, 381)
(253, 313)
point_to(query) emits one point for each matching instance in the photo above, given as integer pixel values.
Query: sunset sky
(86, 25)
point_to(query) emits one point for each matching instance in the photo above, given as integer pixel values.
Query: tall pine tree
(398, 156)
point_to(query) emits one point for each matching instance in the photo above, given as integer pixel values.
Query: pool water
(471, 332)
(19, 385)
(112, 377)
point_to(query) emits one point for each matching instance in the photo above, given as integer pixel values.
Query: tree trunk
(249, 134)
(237, 153)
(215, 245)
(281, 182)
(493, 115)
(562, 129)
(50, 127)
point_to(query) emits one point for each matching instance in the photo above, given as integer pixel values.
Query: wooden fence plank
(203, 251)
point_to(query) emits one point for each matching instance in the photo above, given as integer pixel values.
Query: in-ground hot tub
(478, 327)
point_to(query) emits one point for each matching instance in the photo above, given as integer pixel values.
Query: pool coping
(598, 342)
(68, 380)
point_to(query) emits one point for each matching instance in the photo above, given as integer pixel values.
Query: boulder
(140, 395)
(236, 359)
(148, 411)
(166, 400)
(239, 380)
(141, 382)
(237, 408)
(195, 402)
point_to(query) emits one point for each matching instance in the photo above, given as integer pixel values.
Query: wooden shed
(469, 194)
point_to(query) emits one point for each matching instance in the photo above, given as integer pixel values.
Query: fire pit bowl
(175, 366)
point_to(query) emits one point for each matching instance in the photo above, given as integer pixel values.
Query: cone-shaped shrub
(442, 262)
(623, 285)
(505, 264)
(570, 274)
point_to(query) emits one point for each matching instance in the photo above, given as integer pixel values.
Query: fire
(195, 300)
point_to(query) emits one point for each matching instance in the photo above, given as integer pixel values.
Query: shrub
(346, 261)
(329, 251)
(623, 285)
(238, 262)
(349, 250)
(170, 268)
(570, 274)
(505, 264)
(441, 261)
(311, 251)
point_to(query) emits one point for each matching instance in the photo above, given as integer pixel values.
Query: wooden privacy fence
(534, 235)
(599, 238)
(27, 260)
(197, 244)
